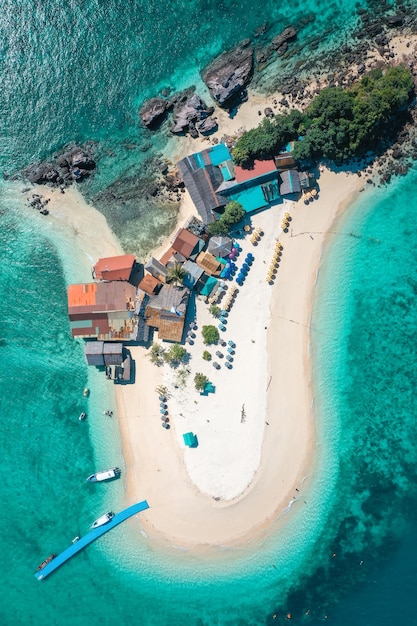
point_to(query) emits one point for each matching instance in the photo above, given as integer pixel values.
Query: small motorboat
(82, 416)
(103, 519)
(99, 477)
(45, 562)
(86, 392)
(77, 538)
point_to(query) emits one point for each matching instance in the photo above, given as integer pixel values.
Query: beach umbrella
(220, 246)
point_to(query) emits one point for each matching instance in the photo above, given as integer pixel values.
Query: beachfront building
(213, 180)
(290, 183)
(103, 310)
(187, 244)
(157, 269)
(115, 268)
(166, 312)
(203, 173)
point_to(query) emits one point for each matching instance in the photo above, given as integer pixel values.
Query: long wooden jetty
(89, 537)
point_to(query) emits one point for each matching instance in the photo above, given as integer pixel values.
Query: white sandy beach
(256, 432)
(244, 473)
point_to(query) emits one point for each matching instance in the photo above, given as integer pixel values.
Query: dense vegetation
(233, 213)
(338, 124)
(210, 334)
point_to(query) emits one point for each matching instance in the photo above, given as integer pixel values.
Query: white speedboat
(103, 519)
(99, 477)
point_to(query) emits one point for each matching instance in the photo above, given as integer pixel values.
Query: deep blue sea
(79, 71)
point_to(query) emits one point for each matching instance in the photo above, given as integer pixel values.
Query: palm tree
(176, 274)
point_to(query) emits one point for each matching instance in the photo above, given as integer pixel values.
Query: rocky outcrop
(153, 111)
(280, 42)
(395, 20)
(42, 173)
(229, 74)
(189, 115)
(207, 126)
(74, 163)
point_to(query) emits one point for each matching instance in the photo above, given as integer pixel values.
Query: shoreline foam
(181, 514)
(158, 464)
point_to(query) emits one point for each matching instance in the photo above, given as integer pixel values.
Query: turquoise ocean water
(79, 71)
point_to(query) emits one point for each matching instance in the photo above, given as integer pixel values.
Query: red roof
(258, 169)
(185, 242)
(114, 267)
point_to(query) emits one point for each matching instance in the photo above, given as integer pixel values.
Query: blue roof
(251, 199)
(218, 154)
(209, 286)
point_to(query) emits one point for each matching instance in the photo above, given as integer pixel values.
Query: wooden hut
(209, 263)
(166, 312)
(157, 269)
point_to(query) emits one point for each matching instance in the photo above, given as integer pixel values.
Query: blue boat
(53, 562)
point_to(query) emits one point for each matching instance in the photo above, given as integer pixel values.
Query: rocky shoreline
(227, 78)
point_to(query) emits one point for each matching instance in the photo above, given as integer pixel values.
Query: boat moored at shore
(103, 519)
(99, 477)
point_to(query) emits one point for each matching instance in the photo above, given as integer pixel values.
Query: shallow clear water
(79, 71)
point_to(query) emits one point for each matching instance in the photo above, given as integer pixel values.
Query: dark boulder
(394, 20)
(41, 173)
(207, 126)
(397, 152)
(79, 158)
(229, 73)
(153, 110)
(283, 38)
(268, 112)
(188, 113)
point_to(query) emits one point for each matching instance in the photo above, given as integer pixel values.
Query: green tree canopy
(218, 228)
(176, 274)
(338, 124)
(156, 353)
(210, 334)
(233, 213)
(175, 354)
(200, 381)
